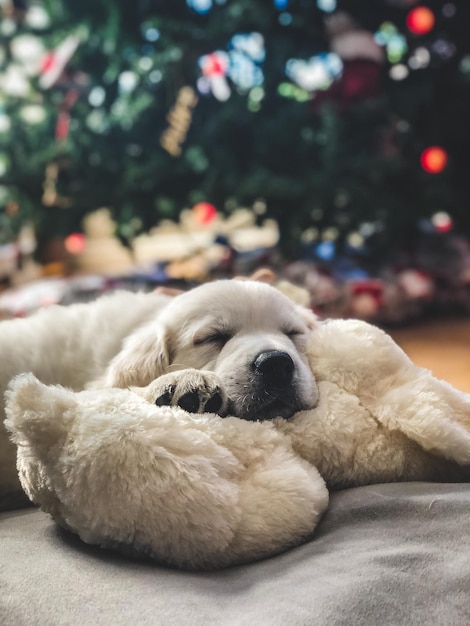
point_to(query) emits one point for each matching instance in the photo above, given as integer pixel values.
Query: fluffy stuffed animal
(380, 417)
(189, 490)
(200, 491)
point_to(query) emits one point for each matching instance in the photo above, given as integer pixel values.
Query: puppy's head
(252, 336)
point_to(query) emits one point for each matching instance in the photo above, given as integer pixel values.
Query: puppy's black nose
(275, 367)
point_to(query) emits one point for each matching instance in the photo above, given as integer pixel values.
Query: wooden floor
(441, 345)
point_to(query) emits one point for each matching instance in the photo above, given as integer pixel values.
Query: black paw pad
(190, 401)
(214, 404)
(166, 398)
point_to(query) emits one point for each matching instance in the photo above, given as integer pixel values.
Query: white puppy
(229, 347)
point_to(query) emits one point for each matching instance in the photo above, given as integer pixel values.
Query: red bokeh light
(434, 160)
(204, 212)
(75, 243)
(420, 20)
(442, 222)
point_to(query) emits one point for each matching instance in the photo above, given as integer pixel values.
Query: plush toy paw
(195, 391)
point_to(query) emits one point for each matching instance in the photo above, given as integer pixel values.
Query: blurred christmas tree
(320, 116)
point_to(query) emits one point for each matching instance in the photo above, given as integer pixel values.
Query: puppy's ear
(144, 357)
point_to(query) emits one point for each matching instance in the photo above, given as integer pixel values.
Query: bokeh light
(205, 212)
(328, 6)
(442, 221)
(398, 72)
(420, 20)
(200, 6)
(326, 250)
(434, 159)
(395, 43)
(75, 243)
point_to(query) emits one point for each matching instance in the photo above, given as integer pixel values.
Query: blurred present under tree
(321, 116)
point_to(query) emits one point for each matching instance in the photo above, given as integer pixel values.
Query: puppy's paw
(195, 391)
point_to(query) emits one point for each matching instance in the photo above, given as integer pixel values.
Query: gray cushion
(383, 555)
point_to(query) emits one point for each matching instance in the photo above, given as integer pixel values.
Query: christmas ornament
(367, 298)
(63, 121)
(434, 159)
(317, 73)
(420, 20)
(241, 64)
(362, 58)
(179, 119)
(50, 196)
(54, 62)
(53, 72)
(417, 284)
(214, 68)
(350, 41)
(246, 53)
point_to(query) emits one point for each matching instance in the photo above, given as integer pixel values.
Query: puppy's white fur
(130, 339)
(252, 317)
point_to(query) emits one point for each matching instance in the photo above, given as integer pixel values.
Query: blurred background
(149, 142)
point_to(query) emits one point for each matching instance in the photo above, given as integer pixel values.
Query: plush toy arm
(367, 363)
(430, 412)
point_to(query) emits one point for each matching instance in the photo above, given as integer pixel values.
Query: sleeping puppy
(228, 347)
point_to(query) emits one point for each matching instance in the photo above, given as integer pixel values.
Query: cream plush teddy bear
(201, 491)
(189, 490)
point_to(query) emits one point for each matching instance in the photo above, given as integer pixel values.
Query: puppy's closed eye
(217, 337)
(293, 332)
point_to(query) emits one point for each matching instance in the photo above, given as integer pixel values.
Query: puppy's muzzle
(274, 369)
(273, 388)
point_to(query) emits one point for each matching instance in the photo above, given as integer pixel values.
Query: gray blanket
(383, 555)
